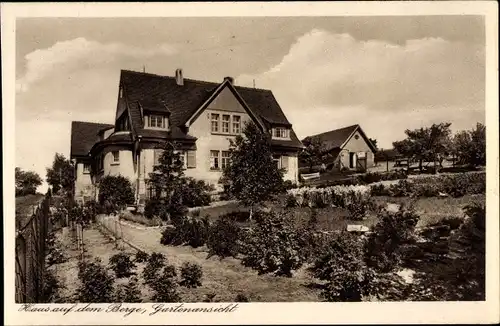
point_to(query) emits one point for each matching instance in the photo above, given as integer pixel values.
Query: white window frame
(226, 124)
(281, 133)
(116, 158)
(156, 118)
(214, 122)
(215, 159)
(224, 160)
(236, 125)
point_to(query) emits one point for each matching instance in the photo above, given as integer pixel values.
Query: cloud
(71, 80)
(72, 54)
(333, 80)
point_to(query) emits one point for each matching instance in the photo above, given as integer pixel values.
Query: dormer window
(281, 133)
(155, 121)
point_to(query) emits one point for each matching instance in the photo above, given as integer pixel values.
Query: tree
(61, 175)
(115, 193)
(252, 176)
(425, 143)
(470, 146)
(166, 182)
(314, 153)
(374, 142)
(26, 182)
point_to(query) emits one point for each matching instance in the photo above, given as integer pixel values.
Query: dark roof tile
(84, 135)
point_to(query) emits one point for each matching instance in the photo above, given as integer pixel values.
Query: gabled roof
(162, 94)
(84, 135)
(338, 138)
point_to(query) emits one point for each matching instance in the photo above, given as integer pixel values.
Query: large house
(349, 148)
(200, 116)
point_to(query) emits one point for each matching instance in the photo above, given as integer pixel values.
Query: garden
(379, 237)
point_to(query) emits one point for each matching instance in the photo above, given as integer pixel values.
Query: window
(280, 132)
(224, 159)
(191, 159)
(276, 161)
(225, 123)
(236, 124)
(214, 160)
(156, 121)
(116, 157)
(214, 118)
(86, 168)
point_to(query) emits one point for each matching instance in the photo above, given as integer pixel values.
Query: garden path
(227, 277)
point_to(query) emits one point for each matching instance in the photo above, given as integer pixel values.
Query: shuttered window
(191, 159)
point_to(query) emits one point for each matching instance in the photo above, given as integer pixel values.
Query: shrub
(51, 288)
(128, 293)
(273, 245)
(223, 238)
(168, 236)
(155, 263)
(170, 271)
(165, 288)
(290, 201)
(191, 275)
(121, 264)
(96, 285)
(390, 234)
(141, 256)
(400, 189)
(342, 266)
(196, 193)
(116, 192)
(191, 231)
(241, 298)
(379, 190)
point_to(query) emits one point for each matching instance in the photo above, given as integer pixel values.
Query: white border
(266, 313)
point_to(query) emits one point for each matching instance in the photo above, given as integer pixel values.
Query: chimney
(230, 79)
(178, 77)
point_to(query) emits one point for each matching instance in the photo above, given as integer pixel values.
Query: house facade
(349, 148)
(200, 117)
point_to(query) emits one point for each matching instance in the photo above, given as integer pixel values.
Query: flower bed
(455, 185)
(356, 199)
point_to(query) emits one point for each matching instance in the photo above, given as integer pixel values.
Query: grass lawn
(25, 206)
(434, 209)
(431, 210)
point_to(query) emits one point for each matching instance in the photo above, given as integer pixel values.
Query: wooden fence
(30, 254)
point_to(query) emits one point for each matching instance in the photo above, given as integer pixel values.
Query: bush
(393, 231)
(122, 265)
(155, 263)
(241, 298)
(115, 192)
(196, 193)
(272, 246)
(223, 238)
(128, 293)
(141, 256)
(342, 266)
(51, 288)
(190, 231)
(379, 190)
(169, 236)
(164, 288)
(96, 285)
(191, 275)
(156, 208)
(400, 189)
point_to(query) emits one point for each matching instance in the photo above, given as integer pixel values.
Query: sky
(387, 74)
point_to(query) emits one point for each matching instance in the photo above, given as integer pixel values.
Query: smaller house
(349, 148)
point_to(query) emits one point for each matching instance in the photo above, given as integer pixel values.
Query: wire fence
(30, 254)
